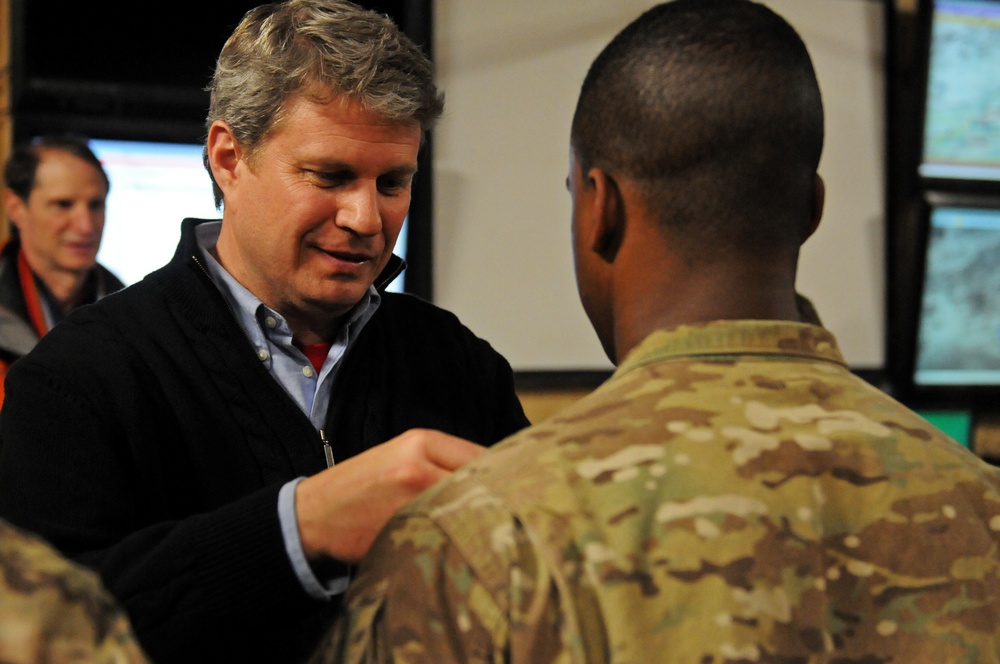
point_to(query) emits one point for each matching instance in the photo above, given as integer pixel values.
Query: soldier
(52, 610)
(733, 492)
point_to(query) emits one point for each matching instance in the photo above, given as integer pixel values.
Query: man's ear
(608, 214)
(819, 200)
(224, 154)
(14, 207)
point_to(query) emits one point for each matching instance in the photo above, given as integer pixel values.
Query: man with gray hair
(213, 439)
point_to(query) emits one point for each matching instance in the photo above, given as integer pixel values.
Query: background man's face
(313, 221)
(62, 221)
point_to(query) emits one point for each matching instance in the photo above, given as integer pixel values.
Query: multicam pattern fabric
(733, 494)
(52, 610)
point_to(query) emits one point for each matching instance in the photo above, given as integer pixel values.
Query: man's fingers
(453, 456)
(446, 451)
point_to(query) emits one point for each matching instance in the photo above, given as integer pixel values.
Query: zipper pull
(327, 450)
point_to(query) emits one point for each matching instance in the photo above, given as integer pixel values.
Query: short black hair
(714, 108)
(22, 165)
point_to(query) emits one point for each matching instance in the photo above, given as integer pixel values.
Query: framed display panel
(512, 72)
(956, 356)
(960, 50)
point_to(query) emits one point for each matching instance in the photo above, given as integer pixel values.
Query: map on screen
(962, 106)
(958, 340)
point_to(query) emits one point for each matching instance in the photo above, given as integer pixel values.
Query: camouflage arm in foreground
(52, 610)
(426, 606)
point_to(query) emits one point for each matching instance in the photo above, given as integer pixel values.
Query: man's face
(62, 221)
(311, 223)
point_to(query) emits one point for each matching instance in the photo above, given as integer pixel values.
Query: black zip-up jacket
(144, 438)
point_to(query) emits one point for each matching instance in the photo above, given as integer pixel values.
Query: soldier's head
(708, 114)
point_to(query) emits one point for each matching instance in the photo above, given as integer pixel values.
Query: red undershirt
(316, 353)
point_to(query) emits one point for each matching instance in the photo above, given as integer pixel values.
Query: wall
(511, 72)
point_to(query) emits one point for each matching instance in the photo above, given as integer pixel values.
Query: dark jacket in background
(17, 334)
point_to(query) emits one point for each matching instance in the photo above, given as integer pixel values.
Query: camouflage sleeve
(52, 610)
(416, 599)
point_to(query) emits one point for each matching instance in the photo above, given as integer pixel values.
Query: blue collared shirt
(271, 337)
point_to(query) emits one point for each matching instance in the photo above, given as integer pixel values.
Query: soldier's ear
(819, 200)
(608, 214)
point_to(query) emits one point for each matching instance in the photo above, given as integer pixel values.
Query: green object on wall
(955, 423)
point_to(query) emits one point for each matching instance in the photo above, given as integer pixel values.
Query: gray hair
(324, 48)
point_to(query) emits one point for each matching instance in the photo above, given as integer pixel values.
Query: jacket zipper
(327, 450)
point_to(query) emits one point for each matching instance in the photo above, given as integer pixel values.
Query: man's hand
(341, 509)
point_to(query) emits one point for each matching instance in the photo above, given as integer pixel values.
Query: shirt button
(263, 354)
(307, 372)
(271, 322)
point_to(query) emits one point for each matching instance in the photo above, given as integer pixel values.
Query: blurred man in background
(54, 199)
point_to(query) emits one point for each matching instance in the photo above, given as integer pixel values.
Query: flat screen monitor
(957, 354)
(961, 127)
(155, 185)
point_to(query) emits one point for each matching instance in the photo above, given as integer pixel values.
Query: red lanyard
(31, 297)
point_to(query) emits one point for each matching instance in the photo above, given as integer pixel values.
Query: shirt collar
(727, 338)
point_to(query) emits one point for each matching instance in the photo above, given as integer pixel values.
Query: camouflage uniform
(732, 494)
(52, 610)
